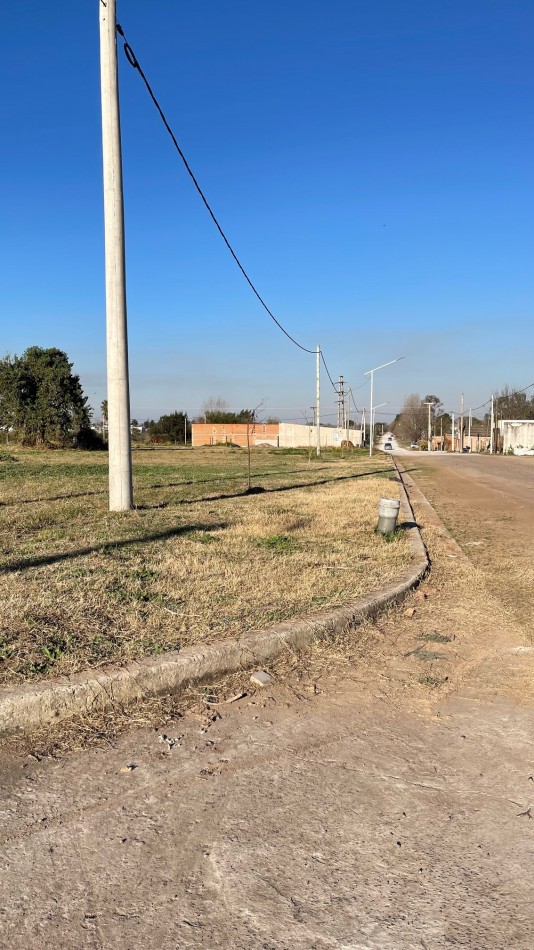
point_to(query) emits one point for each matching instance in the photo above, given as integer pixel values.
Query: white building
(292, 436)
(517, 436)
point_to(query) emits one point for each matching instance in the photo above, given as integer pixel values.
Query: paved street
(380, 804)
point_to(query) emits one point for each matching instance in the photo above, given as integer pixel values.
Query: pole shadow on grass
(257, 491)
(42, 501)
(104, 491)
(228, 478)
(25, 563)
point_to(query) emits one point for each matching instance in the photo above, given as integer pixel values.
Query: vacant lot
(198, 559)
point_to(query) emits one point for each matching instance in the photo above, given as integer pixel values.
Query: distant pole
(185, 430)
(453, 440)
(340, 403)
(492, 423)
(318, 400)
(429, 438)
(118, 421)
(363, 427)
(462, 425)
(371, 433)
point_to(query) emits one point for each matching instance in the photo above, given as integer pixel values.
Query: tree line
(411, 423)
(42, 403)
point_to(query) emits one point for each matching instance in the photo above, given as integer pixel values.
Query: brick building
(234, 433)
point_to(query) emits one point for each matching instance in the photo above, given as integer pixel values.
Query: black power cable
(328, 373)
(132, 59)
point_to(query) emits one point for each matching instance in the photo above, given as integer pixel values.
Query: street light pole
(118, 421)
(371, 373)
(462, 426)
(371, 420)
(429, 404)
(318, 399)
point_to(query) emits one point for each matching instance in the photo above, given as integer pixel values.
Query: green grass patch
(280, 543)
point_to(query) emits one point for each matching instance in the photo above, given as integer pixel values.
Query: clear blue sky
(372, 163)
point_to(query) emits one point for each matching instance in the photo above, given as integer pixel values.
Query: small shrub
(90, 441)
(436, 637)
(389, 536)
(432, 681)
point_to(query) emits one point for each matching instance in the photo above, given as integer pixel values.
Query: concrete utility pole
(340, 403)
(363, 427)
(462, 425)
(118, 421)
(318, 399)
(453, 444)
(492, 423)
(429, 439)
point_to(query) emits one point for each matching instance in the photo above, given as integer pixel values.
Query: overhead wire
(483, 405)
(132, 59)
(328, 373)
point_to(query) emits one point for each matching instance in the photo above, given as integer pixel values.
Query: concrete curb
(25, 709)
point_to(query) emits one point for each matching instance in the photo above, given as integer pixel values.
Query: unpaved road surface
(504, 475)
(488, 505)
(378, 801)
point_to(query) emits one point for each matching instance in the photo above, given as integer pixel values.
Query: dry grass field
(197, 560)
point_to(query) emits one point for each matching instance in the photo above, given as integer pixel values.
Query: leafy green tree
(215, 411)
(42, 398)
(169, 428)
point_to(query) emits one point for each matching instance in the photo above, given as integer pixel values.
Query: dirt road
(378, 797)
(488, 505)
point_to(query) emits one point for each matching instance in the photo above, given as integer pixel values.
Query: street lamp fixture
(371, 373)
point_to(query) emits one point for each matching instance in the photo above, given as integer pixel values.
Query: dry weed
(198, 560)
